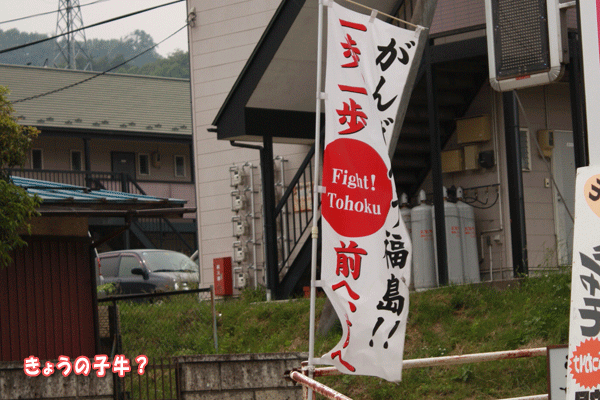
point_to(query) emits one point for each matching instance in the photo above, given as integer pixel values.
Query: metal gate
(130, 327)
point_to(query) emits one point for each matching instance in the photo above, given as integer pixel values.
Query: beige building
(254, 82)
(120, 132)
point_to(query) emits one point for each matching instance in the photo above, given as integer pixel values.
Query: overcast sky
(159, 23)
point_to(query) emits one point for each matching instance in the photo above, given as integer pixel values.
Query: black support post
(577, 92)
(436, 174)
(87, 161)
(268, 184)
(515, 184)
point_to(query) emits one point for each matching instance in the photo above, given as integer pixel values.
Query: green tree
(16, 205)
(177, 65)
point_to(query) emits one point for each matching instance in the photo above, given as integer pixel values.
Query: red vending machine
(222, 275)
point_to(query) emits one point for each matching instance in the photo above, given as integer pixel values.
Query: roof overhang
(121, 212)
(276, 91)
(114, 134)
(59, 198)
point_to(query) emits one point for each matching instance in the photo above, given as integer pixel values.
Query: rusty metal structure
(305, 375)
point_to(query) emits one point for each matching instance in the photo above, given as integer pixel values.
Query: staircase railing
(160, 231)
(294, 212)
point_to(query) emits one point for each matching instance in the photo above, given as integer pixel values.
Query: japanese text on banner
(366, 248)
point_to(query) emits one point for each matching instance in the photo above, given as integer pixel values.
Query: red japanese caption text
(82, 365)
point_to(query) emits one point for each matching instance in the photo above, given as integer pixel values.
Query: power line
(37, 96)
(46, 13)
(86, 27)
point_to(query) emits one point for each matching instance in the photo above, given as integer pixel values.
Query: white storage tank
(468, 239)
(405, 215)
(405, 212)
(453, 244)
(424, 271)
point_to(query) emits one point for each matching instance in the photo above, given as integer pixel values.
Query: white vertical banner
(590, 21)
(366, 249)
(583, 372)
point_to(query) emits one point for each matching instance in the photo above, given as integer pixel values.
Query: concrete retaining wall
(239, 376)
(205, 377)
(14, 384)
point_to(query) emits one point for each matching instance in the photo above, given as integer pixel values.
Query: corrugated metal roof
(59, 193)
(112, 102)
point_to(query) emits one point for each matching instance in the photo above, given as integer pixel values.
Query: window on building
(180, 166)
(37, 161)
(76, 160)
(144, 164)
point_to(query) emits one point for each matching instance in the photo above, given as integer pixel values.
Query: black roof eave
(121, 211)
(93, 133)
(231, 118)
(236, 121)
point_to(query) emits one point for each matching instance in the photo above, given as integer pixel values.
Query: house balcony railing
(152, 232)
(115, 181)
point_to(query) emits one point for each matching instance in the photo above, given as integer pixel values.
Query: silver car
(147, 271)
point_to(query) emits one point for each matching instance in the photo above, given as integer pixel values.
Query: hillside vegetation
(453, 320)
(103, 55)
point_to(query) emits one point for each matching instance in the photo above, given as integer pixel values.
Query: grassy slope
(447, 321)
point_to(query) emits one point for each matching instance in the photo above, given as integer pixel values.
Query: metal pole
(317, 387)
(436, 173)
(315, 227)
(269, 215)
(515, 184)
(454, 360)
(253, 217)
(214, 313)
(577, 89)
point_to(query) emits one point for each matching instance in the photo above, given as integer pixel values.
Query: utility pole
(69, 48)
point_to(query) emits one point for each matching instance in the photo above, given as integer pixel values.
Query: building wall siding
(224, 36)
(457, 14)
(48, 309)
(221, 43)
(544, 109)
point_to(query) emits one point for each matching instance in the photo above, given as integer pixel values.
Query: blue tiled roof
(56, 193)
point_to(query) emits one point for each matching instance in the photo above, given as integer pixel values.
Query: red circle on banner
(584, 365)
(358, 190)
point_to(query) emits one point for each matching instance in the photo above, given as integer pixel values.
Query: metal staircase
(457, 82)
(456, 85)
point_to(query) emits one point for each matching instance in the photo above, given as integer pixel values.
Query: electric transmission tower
(73, 44)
